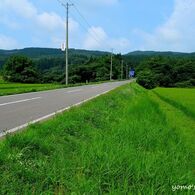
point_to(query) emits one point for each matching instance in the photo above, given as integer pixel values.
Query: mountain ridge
(164, 53)
(35, 52)
(39, 51)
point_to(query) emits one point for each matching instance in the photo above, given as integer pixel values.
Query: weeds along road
(17, 111)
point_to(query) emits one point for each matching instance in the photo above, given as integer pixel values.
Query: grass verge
(118, 143)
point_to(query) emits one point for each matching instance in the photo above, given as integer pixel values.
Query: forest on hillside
(167, 69)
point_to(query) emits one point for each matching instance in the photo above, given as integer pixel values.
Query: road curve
(17, 111)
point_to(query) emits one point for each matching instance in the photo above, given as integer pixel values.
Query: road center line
(19, 101)
(76, 90)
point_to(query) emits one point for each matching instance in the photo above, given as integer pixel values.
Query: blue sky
(124, 25)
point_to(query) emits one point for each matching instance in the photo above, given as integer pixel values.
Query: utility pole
(126, 71)
(111, 65)
(67, 5)
(122, 70)
(67, 15)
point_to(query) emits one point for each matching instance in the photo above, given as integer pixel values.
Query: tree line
(166, 72)
(151, 71)
(51, 70)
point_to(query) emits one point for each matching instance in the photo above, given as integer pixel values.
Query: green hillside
(43, 53)
(158, 53)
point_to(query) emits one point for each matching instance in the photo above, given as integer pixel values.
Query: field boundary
(176, 105)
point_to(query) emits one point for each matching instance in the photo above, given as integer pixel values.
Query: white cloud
(52, 22)
(97, 38)
(49, 21)
(48, 28)
(177, 33)
(22, 7)
(7, 42)
(9, 23)
(40, 22)
(120, 44)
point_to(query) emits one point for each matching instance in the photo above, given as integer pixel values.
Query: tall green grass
(118, 143)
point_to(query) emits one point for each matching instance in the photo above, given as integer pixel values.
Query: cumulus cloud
(22, 7)
(47, 20)
(177, 33)
(49, 27)
(7, 22)
(97, 38)
(8, 42)
(41, 22)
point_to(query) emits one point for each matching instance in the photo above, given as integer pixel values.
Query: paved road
(17, 111)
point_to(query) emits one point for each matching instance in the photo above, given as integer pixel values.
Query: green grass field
(16, 88)
(183, 99)
(123, 142)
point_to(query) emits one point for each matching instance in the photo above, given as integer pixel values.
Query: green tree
(147, 79)
(162, 68)
(20, 69)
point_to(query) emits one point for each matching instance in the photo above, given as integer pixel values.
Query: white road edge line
(19, 101)
(49, 115)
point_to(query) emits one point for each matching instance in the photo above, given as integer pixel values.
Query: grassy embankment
(125, 141)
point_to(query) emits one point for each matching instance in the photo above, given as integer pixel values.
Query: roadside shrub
(147, 79)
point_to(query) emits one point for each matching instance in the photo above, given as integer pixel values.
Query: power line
(61, 2)
(85, 20)
(92, 32)
(88, 31)
(85, 28)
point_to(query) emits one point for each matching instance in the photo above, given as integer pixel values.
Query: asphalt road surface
(18, 111)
